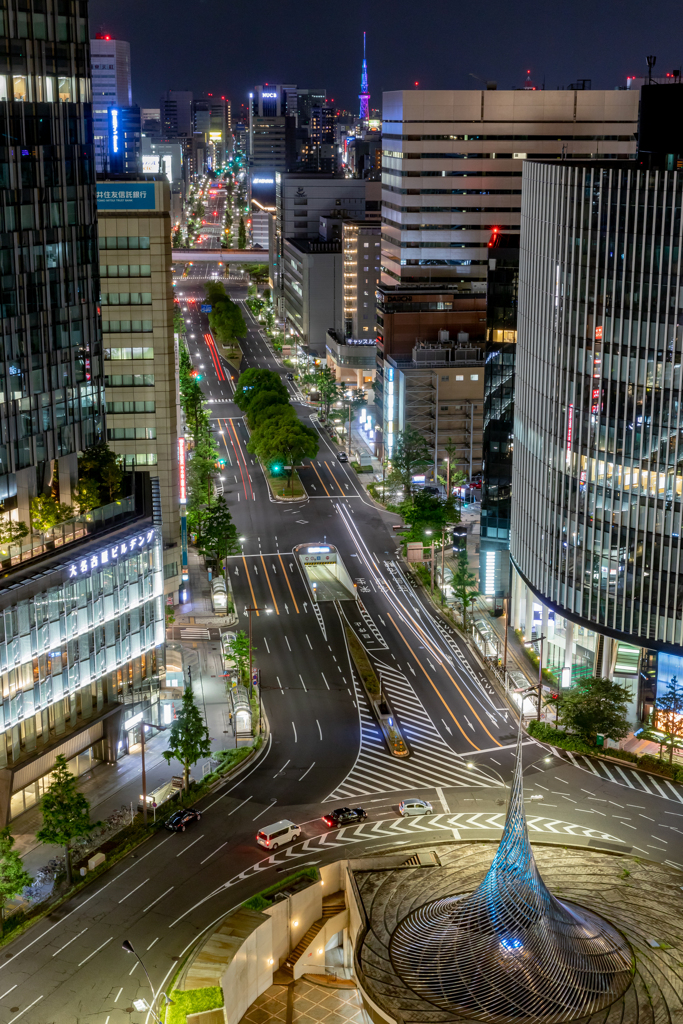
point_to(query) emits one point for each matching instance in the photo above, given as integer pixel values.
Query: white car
(414, 806)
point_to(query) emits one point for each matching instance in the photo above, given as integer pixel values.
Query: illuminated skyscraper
(364, 96)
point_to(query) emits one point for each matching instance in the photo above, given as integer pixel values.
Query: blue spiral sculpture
(510, 951)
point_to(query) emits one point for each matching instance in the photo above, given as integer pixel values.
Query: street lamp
(530, 643)
(429, 534)
(250, 610)
(129, 949)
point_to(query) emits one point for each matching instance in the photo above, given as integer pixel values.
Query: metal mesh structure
(510, 951)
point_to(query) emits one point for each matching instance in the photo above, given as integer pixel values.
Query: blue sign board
(669, 666)
(206, 308)
(136, 195)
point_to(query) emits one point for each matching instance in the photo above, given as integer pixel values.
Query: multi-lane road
(324, 748)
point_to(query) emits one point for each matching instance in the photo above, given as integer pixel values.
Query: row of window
(131, 434)
(39, 26)
(458, 376)
(452, 191)
(510, 138)
(127, 326)
(126, 298)
(129, 380)
(131, 461)
(44, 89)
(124, 242)
(125, 270)
(121, 407)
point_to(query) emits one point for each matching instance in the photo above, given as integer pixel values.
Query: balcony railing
(65, 533)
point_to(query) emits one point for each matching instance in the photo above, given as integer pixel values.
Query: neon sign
(182, 470)
(84, 566)
(115, 129)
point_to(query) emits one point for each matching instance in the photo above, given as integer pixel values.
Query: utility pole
(529, 643)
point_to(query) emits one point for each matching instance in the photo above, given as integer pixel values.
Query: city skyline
(444, 51)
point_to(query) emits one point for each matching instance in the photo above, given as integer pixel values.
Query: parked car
(344, 816)
(414, 806)
(275, 835)
(430, 489)
(342, 456)
(180, 819)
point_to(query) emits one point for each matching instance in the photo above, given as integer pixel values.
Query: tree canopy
(219, 533)
(226, 319)
(284, 440)
(428, 512)
(189, 737)
(65, 811)
(595, 706)
(411, 453)
(13, 876)
(254, 380)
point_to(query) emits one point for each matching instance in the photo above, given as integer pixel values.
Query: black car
(180, 819)
(344, 816)
(342, 456)
(289, 376)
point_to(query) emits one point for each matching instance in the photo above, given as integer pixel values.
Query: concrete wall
(249, 973)
(312, 960)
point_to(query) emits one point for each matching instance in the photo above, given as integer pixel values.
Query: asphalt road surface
(324, 748)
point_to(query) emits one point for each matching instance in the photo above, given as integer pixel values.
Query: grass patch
(196, 1000)
(262, 900)
(281, 487)
(362, 663)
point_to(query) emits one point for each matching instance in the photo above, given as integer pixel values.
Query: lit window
(474, 376)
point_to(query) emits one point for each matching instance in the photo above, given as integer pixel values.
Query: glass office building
(597, 494)
(51, 387)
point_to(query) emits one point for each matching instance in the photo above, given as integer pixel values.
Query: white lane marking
(150, 907)
(118, 994)
(211, 854)
(302, 682)
(283, 768)
(319, 729)
(8, 991)
(63, 947)
(288, 643)
(264, 810)
(152, 943)
(326, 682)
(134, 890)
(309, 642)
(306, 772)
(188, 847)
(27, 1008)
(266, 643)
(88, 957)
(444, 802)
(294, 728)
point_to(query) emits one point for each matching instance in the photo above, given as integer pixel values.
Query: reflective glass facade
(598, 463)
(51, 387)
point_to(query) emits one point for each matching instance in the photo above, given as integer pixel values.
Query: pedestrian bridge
(222, 255)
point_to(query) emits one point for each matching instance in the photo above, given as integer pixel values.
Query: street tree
(242, 235)
(86, 495)
(284, 441)
(411, 454)
(189, 737)
(668, 714)
(101, 464)
(263, 402)
(219, 535)
(464, 584)
(254, 380)
(13, 876)
(329, 388)
(595, 706)
(239, 649)
(65, 811)
(12, 530)
(427, 512)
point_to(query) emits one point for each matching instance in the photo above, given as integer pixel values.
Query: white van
(276, 835)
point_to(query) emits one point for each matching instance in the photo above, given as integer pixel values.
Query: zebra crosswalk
(194, 633)
(611, 772)
(432, 763)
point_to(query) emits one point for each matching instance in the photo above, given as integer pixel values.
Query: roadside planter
(379, 701)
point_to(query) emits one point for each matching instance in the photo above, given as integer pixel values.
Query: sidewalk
(199, 608)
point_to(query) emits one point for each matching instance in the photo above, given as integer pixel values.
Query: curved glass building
(598, 460)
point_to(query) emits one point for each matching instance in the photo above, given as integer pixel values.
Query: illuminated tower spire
(364, 96)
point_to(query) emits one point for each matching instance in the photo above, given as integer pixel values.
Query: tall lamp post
(250, 610)
(129, 949)
(159, 728)
(530, 643)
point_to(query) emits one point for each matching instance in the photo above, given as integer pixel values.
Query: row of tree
(226, 319)
(278, 437)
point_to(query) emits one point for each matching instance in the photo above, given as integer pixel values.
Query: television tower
(364, 96)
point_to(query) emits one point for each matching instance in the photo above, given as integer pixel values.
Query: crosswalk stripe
(635, 780)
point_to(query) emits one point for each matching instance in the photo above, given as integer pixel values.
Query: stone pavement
(307, 1003)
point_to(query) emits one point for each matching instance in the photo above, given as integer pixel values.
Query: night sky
(228, 47)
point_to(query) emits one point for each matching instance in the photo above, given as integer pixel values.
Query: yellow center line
(288, 584)
(335, 479)
(246, 569)
(269, 586)
(436, 689)
(320, 479)
(430, 645)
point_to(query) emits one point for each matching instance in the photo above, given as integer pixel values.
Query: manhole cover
(8, 956)
(129, 1009)
(13, 1009)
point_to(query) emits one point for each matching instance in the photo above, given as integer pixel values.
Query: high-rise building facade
(452, 171)
(597, 482)
(176, 115)
(139, 350)
(82, 623)
(111, 87)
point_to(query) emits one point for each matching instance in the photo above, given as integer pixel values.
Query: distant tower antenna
(364, 96)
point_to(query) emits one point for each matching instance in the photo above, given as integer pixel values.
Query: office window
(446, 377)
(129, 380)
(121, 407)
(124, 242)
(131, 434)
(474, 376)
(129, 353)
(126, 326)
(126, 298)
(124, 270)
(458, 376)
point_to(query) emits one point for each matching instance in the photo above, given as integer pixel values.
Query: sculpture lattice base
(530, 957)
